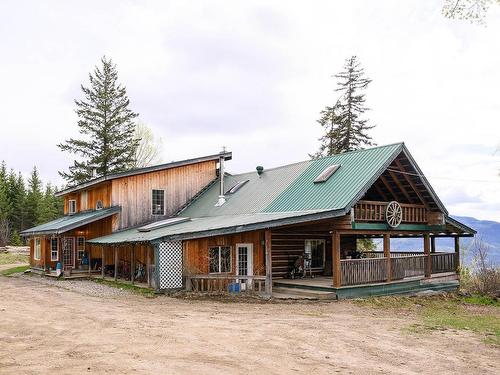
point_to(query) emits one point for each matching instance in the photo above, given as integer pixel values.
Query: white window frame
(70, 201)
(37, 248)
(220, 258)
(78, 250)
(52, 259)
(164, 202)
(324, 250)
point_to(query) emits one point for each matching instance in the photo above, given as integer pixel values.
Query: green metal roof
(211, 226)
(69, 222)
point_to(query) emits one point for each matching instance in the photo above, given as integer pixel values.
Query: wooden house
(251, 230)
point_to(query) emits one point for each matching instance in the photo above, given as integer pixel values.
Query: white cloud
(253, 76)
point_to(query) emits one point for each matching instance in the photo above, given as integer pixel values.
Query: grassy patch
(11, 271)
(477, 314)
(10, 258)
(126, 286)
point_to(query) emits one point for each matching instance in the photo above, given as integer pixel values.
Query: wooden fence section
(220, 283)
(444, 262)
(374, 269)
(363, 271)
(375, 211)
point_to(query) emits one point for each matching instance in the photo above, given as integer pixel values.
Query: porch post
(457, 254)
(387, 254)
(148, 264)
(102, 261)
(269, 260)
(433, 244)
(116, 262)
(132, 263)
(427, 253)
(336, 259)
(90, 259)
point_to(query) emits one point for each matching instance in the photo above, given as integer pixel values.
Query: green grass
(10, 258)
(478, 314)
(11, 271)
(126, 286)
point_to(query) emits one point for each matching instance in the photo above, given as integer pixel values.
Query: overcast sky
(253, 76)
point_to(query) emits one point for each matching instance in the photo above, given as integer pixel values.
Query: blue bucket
(234, 287)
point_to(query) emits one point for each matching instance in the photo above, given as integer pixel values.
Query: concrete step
(298, 293)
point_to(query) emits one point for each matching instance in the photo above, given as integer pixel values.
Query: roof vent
(260, 169)
(327, 173)
(237, 187)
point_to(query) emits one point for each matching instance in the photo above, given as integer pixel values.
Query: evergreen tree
(345, 127)
(5, 204)
(19, 204)
(48, 205)
(34, 199)
(108, 144)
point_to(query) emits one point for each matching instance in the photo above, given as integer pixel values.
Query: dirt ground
(50, 330)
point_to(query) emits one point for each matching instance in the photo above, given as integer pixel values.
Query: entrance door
(68, 246)
(244, 262)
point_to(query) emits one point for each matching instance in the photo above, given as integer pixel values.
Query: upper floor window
(54, 249)
(158, 202)
(72, 206)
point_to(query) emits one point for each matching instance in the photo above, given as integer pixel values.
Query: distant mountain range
(488, 231)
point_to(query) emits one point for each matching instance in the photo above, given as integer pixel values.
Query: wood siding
(133, 193)
(87, 199)
(196, 260)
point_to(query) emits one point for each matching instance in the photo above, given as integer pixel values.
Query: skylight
(163, 223)
(327, 173)
(236, 187)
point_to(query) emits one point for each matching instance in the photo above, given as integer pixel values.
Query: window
(327, 173)
(80, 247)
(315, 251)
(220, 259)
(54, 249)
(38, 249)
(71, 206)
(158, 202)
(99, 205)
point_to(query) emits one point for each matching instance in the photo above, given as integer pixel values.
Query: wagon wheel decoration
(393, 214)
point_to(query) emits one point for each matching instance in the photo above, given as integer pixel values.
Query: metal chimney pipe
(222, 199)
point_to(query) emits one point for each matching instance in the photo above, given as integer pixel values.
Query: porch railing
(374, 269)
(375, 211)
(220, 283)
(394, 254)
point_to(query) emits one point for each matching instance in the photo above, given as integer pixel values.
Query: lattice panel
(170, 264)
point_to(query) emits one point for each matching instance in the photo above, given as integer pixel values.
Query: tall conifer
(106, 124)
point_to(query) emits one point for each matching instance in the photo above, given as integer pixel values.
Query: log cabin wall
(196, 259)
(87, 199)
(134, 193)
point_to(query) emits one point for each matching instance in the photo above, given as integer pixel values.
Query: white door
(244, 262)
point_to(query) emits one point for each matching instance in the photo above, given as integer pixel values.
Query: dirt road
(49, 330)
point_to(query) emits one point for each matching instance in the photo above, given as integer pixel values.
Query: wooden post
(132, 263)
(102, 261)
(433, 244)
(427, 253)
(148, 264)
(337, 281)
(269, 262)
(387, 254)
(116, 263)
(90, 260)
(457, 255)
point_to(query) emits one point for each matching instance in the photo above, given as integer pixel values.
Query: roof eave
(134, 172)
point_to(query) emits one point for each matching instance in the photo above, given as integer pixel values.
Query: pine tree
(48, 205)
(345, 128)
(34, 199)
(106, 122)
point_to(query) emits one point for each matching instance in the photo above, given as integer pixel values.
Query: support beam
(90, 259)
(116, 263)
(132, 263)
(337, 280)
(380, 192)
(408, 179)
(148, 264)
(400, 186)
(457, 255)
(269, 262)
(102, 261)
(427, 253)
(387, 254)
(433, 244)
(389, 188)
